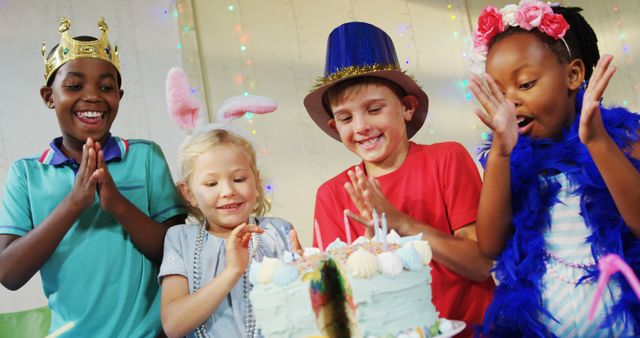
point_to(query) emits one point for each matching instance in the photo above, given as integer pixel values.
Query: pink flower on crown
(530, 13)
(489, 24)
(554, 25)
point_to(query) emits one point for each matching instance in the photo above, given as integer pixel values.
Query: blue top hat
(361, 49)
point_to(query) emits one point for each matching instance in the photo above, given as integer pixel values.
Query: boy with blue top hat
(91, 212)
(368, 103)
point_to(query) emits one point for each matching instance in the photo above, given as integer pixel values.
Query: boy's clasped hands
(93, 176)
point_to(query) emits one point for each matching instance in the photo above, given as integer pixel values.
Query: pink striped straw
(347, 227)
(316, 227)
(609, 265)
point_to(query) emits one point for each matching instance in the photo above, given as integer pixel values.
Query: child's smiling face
(86, 95)
(540, 86)
(371, 122)
(223, 187)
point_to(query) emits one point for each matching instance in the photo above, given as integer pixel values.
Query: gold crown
(72, 49)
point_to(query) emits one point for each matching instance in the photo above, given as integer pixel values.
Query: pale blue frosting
(253, 272)
(409, 239)
(337, 244)
(386, 304)
(411, 258)
(289, 257)
(285, 275)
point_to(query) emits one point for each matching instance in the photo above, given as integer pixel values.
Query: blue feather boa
(517, 309)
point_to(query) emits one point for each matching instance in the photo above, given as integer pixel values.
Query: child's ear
(332, 124)
(410, 104)
(186, 194)
(576, 74)
(121, 94)
(47, 96)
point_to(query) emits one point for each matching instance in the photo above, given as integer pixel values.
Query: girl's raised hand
(591, 126)
(84, 189)
(499, 114)
(237, 246)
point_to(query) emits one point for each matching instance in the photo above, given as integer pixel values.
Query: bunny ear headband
(185, 109)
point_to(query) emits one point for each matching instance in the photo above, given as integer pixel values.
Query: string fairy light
(626, 67)
(245, 80)
(458, 15)
(181, 11)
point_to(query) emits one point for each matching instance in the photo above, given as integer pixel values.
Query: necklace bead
(249, 319)
(551, 257)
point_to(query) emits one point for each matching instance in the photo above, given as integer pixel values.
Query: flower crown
(527, 15)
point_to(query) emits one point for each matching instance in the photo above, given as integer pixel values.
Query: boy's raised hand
(237, 246)
(84, 189)
(591, 126)
(367, 195)
(499, 114)
(355, 191)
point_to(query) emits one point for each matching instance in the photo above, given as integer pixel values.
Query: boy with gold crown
(369, 104)
(92, 211)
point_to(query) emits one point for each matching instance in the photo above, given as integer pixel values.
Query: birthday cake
(366, 289)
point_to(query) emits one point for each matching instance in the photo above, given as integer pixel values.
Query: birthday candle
(375, 225)
(318, 236)
(384, 230)
(347, 227)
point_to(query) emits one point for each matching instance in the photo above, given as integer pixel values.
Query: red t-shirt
(439, 185)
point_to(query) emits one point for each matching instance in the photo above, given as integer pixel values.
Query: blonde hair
(203, 142)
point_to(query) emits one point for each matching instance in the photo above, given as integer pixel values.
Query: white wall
(285, 48)
(147, 39)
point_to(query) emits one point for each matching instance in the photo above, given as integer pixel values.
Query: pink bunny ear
(183, 107)
(236, 106)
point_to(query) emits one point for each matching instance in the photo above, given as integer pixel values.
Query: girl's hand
(499, 114)
(84, 189)
(107, 191)
(237, 247)
(591, 126)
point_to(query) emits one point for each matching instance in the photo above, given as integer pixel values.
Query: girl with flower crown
(562, 175)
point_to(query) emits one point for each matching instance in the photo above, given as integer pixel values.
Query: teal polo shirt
(96, 279)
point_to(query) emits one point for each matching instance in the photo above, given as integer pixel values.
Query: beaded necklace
(550, 257)
(249, 319)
